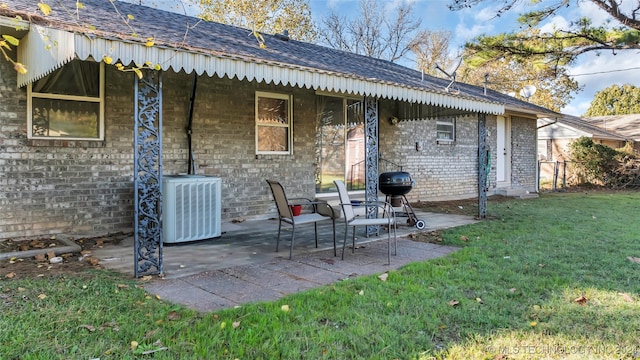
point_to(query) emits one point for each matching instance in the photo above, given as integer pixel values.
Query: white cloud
(556, 23)
(334, 4)
(577, 108)
(464, 33)
(485, 14)
(597, 16)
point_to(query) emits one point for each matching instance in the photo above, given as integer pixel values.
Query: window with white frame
(273, 123)
(68, 103)
(446, 129)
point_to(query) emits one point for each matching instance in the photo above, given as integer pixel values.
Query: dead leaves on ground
(112, 325)
(581, 300)
(633, 259)
(626, 297)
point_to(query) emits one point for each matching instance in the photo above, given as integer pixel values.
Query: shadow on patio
(242, 266)
(254, 242)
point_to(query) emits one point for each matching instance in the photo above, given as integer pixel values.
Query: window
(273, 123)
(68, 103)
(446, 129)
(340, 143)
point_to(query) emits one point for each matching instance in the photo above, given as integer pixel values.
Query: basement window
(273, 123)
(446, 130)
(68, 104)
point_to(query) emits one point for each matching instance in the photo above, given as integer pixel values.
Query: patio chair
(285, 214)
(387, 218)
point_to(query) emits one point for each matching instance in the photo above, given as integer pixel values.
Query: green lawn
(546, 278)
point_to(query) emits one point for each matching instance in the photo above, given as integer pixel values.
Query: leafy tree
(371, 32)
(561, 46)
(431, 49)
(504, 74)
(554, 88)
(263, 16)
(615, 100)
(508, 73)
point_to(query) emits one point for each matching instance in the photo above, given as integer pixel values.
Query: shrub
(594, 163)
(602, 165)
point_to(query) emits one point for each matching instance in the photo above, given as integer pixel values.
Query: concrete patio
(242, 266)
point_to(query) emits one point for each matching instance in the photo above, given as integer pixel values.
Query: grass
(546, 278)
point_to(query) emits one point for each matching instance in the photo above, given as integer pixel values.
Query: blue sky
(593, 71)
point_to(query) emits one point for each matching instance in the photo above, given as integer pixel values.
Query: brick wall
(86, 187)
(440, 171)
(56, 186)
(523, 153)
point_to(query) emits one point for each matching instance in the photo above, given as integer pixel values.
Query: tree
(370, 32)
(508, 73)
(554, 88)
(561, 46)
(263, 16)
(504, 74)
(615, 100)
(431, 49)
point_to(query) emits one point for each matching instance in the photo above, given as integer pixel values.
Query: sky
(594, 72)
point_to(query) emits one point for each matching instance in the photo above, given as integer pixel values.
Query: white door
(503, 151)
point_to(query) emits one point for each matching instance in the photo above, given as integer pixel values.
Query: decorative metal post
(371, 158)
(483, 166)
(147, 172)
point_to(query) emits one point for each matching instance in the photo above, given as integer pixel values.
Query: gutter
(14, 22)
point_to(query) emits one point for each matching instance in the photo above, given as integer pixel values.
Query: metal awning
(45, 49)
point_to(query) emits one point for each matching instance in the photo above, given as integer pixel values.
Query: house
(554, 140)
(85, 144)
(625, 125)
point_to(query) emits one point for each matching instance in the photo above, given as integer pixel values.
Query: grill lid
(395, 183)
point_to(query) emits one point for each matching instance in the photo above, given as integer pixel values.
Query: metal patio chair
(387, 218)
(321, 211)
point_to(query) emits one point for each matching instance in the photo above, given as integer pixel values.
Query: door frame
(503, 151)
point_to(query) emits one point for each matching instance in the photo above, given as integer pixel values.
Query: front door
(503, 152)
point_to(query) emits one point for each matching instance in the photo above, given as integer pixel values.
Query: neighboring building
(554, 140)
(72, 128)
(625, 125)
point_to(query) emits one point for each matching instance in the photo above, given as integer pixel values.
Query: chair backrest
(347, 208)
(280, 198)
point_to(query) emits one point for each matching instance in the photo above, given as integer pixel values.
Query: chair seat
(367, 222)
(285, 214)
(351, 220)
(306, 218)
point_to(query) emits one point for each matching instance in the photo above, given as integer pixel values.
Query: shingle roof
(625, 125)
(580, 124)
(99, 18)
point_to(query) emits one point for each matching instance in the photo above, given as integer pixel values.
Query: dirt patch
(41, 265)
(433, 237)
(468, 207)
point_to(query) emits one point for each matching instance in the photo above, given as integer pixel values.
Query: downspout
(191, 162)
(538, 161)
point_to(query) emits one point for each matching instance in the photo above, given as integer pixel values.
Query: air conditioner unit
(191, 208)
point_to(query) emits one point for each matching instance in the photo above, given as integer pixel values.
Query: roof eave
(41, 60)
(521, 110)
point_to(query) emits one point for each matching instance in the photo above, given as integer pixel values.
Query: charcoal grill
(395, 185)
